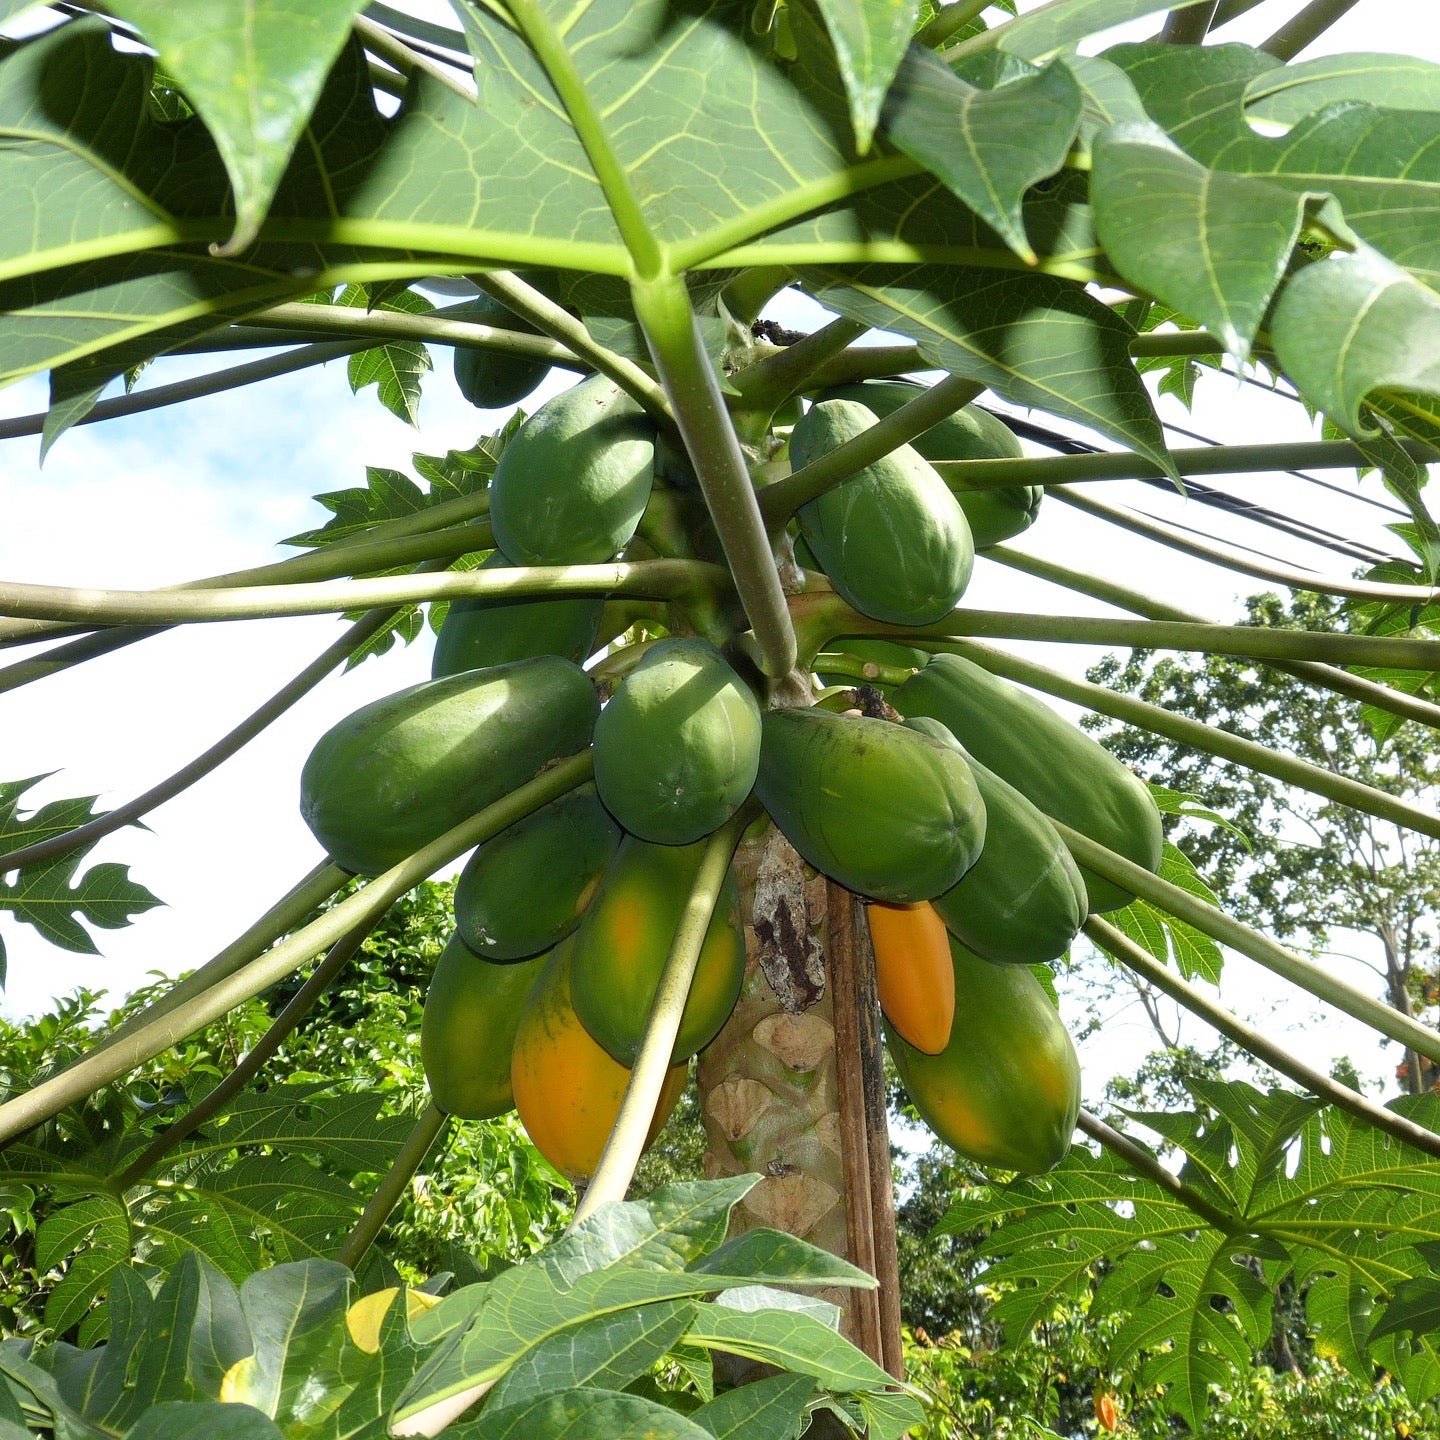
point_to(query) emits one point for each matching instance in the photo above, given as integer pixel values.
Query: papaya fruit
(525, 890)
(399, 772)
(882, 652)
(472, 1011)
(892, 538)
(488, 379)
(968, 434)
(913, 973)
(1023, 901)
(479, 632)
(885, 811)
(678, 744)
(1057, 767)
(620, 949)
(567, 1089)
(572, 484)
(1005, 1090)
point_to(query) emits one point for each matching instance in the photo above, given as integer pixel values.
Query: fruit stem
(116, 1056)
(1129, 954)
(538, 308)
(295, 1010)
(418, 1143)
(840, 662)
(1207, 738)
(1260, 948)
(930, 406)
(622, 1151)
(778, 376)
(668, 320)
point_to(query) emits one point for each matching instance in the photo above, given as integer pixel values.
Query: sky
(207, 487)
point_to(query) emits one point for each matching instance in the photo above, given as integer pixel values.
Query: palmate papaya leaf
(1354, 323)
(1054, 29)
(642, 1253)
(1382, 166)
(1396, 82)
(1168, 938)
(253, 70)
(395, 368)
(1157, 210)
(870, 40)
(988, 145)
(1305, 1191)
(393, 495)
(54, 896)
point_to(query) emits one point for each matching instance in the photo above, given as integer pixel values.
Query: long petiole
(418, 1144)
(1129, 954)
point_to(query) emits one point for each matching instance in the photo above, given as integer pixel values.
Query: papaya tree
(739, 767)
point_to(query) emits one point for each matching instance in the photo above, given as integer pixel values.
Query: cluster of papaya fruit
(933, 807)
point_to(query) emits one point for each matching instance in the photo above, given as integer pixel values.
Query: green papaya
(399, 772)
(620, 949)
(1023, 901)
(1006, 1090)
(883, 810)
(488, 379)
(892, 538)
(1057, 767)
(472, 1011)
(968, 434)
(677, 746)
(479, 632)
(572, 484)
(882, 652)
(525, 890)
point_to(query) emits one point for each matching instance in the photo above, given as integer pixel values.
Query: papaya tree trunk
(773, 1096)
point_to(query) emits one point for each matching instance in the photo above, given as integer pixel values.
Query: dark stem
(197, 386)
(1189, 26)
(1309, 25)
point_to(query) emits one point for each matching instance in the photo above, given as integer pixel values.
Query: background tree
(1292, 864)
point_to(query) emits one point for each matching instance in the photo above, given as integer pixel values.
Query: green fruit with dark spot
(572, 484)
(401, 771)
(969, 434)
(1006, 1090)
(472, 1011)
(678, 745)
(489, 379)
(525, 890)
(1057, 767)
(892, 539)
(479, 632)
(623, 942)
(885, 811)
(1023, 901)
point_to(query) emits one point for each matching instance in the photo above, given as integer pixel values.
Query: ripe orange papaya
(567, 1089)
(913, 972)
(1006, 1088)
(472, 1011)
(620, 949)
